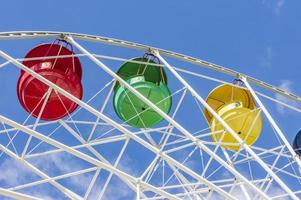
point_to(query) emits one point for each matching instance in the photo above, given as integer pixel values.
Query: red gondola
(65, 72)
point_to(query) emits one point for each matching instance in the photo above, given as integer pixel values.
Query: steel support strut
(227, 127)
(93, 111)
(16, 195)
(85, 157)
(113, 41)
(120, 128)
(166, 117)
(122, 43)
(273, 123)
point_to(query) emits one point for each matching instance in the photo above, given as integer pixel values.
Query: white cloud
(41, 194)
(285, 85)
(64, 163)
(275, 190)
(275, 5)
(123, 191)
(266, 59)
(279, 5)
(12, 173)
(128, 165)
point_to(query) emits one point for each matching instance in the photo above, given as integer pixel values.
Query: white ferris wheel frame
(139, 184)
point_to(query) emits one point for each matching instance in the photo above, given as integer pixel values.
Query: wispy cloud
(64, 163)
(124, 192)
(266, 59)
(128, 165)
(275, 5)
(276, 190)
(286, 85)
(273, 191)
(279, 5)
(117, 189)
(14, 174)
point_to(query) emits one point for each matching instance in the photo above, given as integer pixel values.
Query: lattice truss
(92, 154)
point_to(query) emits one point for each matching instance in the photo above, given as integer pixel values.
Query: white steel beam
(227, 127)
(20, 187)
(115, 165)
(117, 125)
(166, 117)
(122, 43)
(273, 123)
(91, 143)
(159, 65)
(41, 174)
(82, 156)
(16, 195)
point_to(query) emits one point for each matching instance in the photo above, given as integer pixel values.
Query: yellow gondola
(236, 107)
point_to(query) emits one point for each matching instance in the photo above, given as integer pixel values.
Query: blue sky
(256, 38)
(260, 38)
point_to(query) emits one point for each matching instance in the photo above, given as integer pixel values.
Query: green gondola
(151, 81)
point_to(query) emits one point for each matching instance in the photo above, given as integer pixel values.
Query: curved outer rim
(116, 124)
(122, 43)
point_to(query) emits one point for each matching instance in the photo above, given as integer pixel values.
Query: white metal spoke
(229, 129)
(82, 156)
(115, 165)
(37, 120)
(101, 110)
(273, 123)
(17, 195)
(116, 124)
(184, 131)
(40, 173)
(53, 178)
(92, 153)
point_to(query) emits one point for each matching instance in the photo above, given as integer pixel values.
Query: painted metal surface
(64, 72)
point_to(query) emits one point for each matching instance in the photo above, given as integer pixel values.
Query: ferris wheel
(90, 117)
